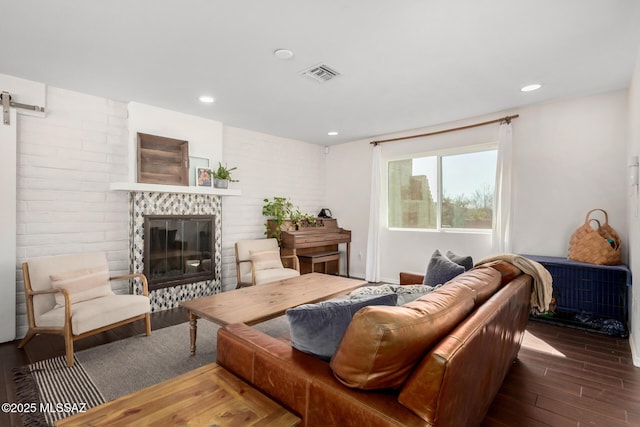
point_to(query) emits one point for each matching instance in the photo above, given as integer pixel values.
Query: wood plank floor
(568, 377)
(563, 376)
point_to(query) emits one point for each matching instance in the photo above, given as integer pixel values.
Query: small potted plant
(283, 215)
(222, 176)
(302, 220)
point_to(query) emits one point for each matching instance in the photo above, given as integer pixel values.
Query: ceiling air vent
(320, 73)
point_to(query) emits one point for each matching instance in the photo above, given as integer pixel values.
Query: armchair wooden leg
(26, 339)
(147, 323)
(68, 344)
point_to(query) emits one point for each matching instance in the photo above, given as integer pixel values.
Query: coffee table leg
(193, 326)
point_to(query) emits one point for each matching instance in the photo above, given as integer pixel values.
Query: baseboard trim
(635, 357)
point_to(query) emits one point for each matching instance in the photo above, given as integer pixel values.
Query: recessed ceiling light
(283, 53)
(332, 133)
(206, 99)
(531, 88)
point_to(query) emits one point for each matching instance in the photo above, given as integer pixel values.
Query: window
(443, 191)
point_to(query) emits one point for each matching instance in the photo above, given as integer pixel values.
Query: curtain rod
(506, 119)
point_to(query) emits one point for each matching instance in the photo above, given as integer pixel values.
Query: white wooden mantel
(177, 189)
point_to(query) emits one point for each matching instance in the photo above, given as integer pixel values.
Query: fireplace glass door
(178, 249)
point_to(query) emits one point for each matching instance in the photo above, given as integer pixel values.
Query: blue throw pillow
(441, 269)
(465, 261)
(318, 328)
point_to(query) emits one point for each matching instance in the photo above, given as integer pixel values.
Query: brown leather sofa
(452, 384)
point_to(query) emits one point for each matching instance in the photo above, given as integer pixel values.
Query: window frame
(439, 154)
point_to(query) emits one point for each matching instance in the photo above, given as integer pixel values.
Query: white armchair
(71, 295)
(259, 261)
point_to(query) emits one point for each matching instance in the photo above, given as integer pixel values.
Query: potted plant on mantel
(222, 176)
(283, 216)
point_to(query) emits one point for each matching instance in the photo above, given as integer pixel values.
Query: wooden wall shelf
(162, 160)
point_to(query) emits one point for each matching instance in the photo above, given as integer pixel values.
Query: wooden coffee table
(256, 304)
(207, 396)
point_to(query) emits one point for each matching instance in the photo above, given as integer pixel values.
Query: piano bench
(320, 258)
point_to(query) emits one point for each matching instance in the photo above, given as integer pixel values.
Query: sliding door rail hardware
(7, 103)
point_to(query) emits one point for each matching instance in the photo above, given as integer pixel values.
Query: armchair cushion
(96, 313)
(82, 285)
(318, 328)
(265, 260)
(274, 274)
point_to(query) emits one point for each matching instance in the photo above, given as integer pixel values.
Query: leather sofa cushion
(383, 344)
(484, 280)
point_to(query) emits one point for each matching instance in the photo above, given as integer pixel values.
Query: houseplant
(283, 215)
(222, 176)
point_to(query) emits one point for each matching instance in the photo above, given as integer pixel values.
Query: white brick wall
(66, 162)
(268, 166)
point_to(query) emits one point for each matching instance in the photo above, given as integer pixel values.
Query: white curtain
(373, 240)
(501, 236)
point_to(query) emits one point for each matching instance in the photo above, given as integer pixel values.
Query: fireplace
(178, 249)
(145, 204)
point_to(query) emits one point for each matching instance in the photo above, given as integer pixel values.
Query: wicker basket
(599, 246)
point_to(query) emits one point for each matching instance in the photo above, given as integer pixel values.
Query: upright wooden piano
(316, 242)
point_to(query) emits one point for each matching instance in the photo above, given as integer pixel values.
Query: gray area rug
(103, 373)
(129, 365)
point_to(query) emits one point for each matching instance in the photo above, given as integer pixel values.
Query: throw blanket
(542, 291)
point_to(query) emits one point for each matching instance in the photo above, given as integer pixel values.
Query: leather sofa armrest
(482, 347)
(409, 278)
(270, 364)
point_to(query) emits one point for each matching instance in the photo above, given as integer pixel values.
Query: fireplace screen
(178, 249)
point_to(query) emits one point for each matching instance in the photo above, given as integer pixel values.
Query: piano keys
(322, 238)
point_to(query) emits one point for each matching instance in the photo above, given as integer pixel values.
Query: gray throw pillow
(318, 328)
(406, 293)
(441, 269)
(465, 261)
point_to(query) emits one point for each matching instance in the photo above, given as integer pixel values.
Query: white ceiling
(403, 64)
